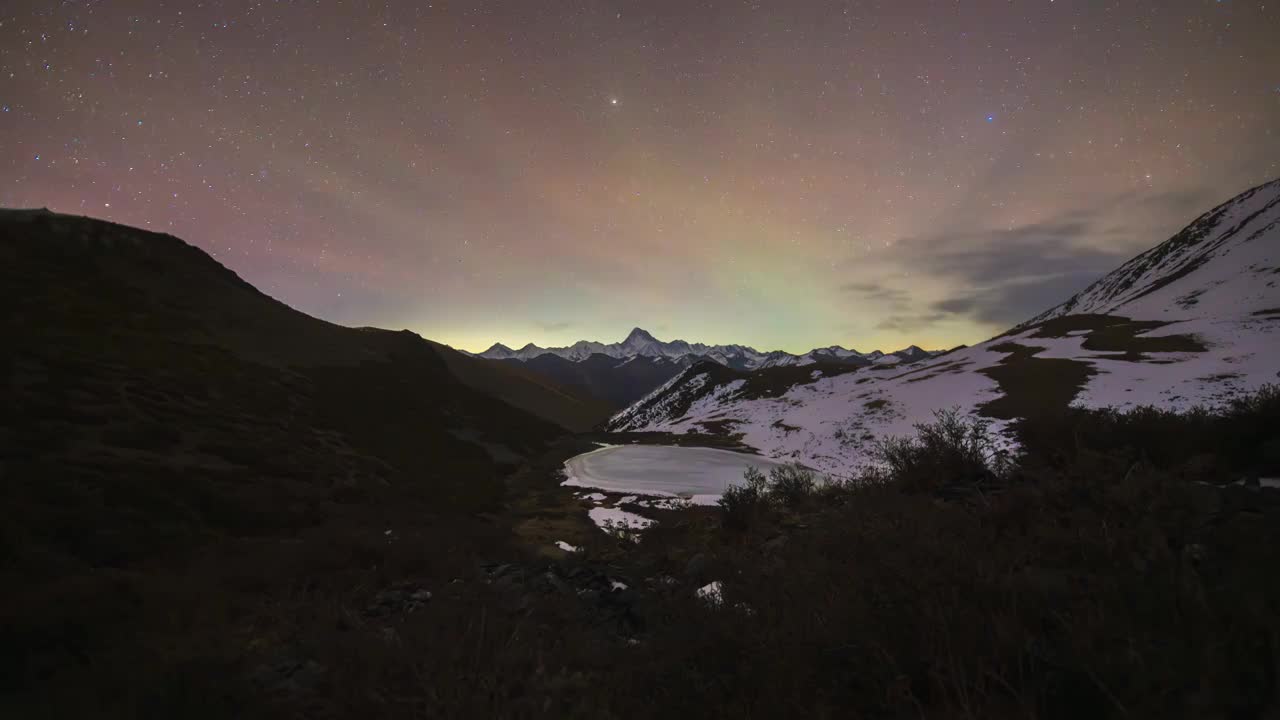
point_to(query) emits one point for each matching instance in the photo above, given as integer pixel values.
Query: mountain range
(641, 343)
(1193, 321)
(623, 372)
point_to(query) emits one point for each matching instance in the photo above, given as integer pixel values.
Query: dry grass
(1113, 334)
(1032, 385)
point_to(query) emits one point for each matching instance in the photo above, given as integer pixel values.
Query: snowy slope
(1222, 264)
(821, 420)
(1195, 320)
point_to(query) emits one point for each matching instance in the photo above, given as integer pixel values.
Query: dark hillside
(165, 425)
(616, 381)
(573, 407)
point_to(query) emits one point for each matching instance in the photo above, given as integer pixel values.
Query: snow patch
(711, 593)
(610, 519)
(672, 503)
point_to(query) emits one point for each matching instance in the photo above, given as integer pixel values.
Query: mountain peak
(499, 347)
(639, 335)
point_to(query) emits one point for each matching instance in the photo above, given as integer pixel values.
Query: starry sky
(780, 174)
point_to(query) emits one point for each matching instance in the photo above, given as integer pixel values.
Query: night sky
(781, 174)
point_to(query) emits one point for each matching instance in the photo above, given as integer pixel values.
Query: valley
(604, 359)
(215, 503)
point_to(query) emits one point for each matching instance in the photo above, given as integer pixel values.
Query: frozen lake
(700, 473)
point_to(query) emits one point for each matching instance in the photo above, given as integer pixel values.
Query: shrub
(740, 505)
(788, 485)
(791, 484)
(1252, 431)
(953, 450)
(1243, 436)
(1100, 585)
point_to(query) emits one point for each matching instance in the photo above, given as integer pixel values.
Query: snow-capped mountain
(1223, 263)
(640, 343)
(1193, 321)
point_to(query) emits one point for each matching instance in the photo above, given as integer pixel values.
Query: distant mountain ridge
(641, 343)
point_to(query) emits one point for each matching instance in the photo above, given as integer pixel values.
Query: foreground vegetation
(1118, 568)
(1121, 566)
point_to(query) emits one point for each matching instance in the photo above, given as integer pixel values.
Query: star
(802, 115)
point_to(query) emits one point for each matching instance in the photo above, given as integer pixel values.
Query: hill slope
(543, 394)
(1222, 264)
(184, 457)
(130, 349)
(1195, 320)
(618, 382)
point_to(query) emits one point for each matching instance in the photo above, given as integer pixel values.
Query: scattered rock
(595, 587)
(711, 594)
(399, 600)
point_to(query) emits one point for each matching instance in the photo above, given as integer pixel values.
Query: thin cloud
(1006, 276)
(896, 298)
(552, 327)
(911, 323)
